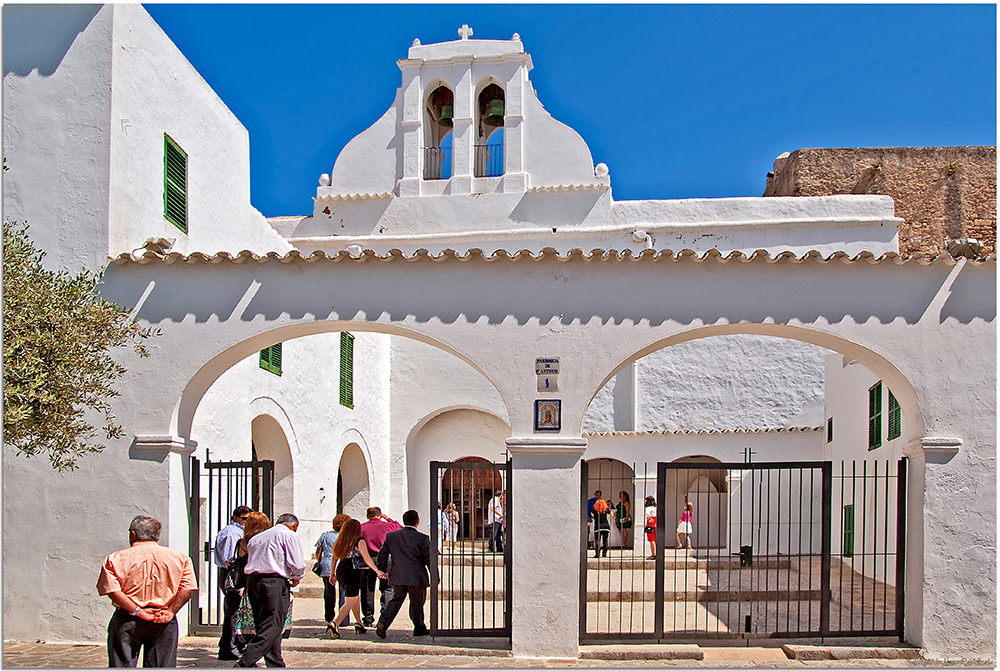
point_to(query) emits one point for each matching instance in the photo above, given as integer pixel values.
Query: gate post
(826, 549)
(545, 559)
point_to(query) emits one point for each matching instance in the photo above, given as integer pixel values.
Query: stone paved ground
(200, 653)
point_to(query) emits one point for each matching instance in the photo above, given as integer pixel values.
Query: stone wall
(942, 192)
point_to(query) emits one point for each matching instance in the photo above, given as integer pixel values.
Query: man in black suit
(410, 551)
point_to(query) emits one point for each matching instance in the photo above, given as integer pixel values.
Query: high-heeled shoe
(332, 627)
(359, 629)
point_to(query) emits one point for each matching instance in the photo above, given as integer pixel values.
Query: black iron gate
(470, 567)
(794, 549)
(216, 489)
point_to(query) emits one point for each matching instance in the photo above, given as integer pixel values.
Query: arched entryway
(457, 434)
(353, 485)
(470, 487)
(270, 443)
(614, 478)
(706, 490)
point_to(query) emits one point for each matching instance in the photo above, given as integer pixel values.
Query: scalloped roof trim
(355, 196)
(569, 187)
(548, 253)
(702, 432)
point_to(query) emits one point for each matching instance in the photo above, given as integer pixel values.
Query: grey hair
(287, 518)
(145, 528)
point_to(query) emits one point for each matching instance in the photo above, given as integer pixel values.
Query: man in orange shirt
(148, 584)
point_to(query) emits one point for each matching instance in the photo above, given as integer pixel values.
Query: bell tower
(472, 90)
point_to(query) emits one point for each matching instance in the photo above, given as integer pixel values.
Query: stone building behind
(942, 193)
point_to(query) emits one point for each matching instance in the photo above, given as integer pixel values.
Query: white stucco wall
(56, 139)
(157, 91)
(727, 382)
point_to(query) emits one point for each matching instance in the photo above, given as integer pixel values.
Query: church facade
(462, 237)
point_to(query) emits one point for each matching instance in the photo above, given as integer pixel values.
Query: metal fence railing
(742, 550)
(470, 548)
(489, 159)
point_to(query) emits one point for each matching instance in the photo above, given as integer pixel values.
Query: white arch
(187, 404)
(877, 363)
(418, 458)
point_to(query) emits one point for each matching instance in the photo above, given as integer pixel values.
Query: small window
(175, 205)
(895, 418)
(829, 430)
(848, 548)
(346, 369)
(875, 416)
(270, 359)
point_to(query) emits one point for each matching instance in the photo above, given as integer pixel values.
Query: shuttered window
(175, 205)
(346, 369)
(895, 418)
(848, 548)
(829, 430)
(875, 416)
(270, 359)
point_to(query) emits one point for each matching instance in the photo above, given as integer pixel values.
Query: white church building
(461, 238)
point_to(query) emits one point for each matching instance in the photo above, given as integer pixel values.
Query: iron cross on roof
(748, 454)
(465, 32)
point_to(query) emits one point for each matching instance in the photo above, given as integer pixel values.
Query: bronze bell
(494, 113)
(446, 116)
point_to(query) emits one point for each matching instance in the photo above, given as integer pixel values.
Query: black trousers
(496, 537)
(330, 605)
(128, 634)
(368, 596)
(601, 539)
(417, 597)
(230, 642)
(269, 599)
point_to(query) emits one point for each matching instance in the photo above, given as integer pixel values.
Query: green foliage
(57, 337)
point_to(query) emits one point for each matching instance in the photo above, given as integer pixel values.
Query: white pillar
(544, 500)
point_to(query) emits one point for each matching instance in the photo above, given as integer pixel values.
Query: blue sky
(681, 101)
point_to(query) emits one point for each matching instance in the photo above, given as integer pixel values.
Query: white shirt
(276, 550)
(495, 510)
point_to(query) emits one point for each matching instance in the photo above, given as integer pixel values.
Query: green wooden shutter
(175, 206)
(270, 359)
(875, 416)
(346, 369)
(895, 418)
(848, 548)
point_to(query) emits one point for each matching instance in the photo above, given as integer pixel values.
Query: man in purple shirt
(374, 531)
(275, 564)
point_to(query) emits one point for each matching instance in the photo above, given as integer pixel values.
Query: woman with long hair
(324, 555)
(254, 523)
(352, 551)
(452, 514)
(684, 525)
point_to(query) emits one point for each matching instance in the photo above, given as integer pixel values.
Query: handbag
(359, 562)
(649, 529)
(236, 577)
(317, 570)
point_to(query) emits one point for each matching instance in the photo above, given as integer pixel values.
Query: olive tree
(58, 336)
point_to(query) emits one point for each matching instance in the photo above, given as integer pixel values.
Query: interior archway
(270, 443)
(353, 486)
(462, 433)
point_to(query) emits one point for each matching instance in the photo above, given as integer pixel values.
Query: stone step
(843, 652)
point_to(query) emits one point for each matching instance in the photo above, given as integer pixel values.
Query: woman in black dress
(352, 550)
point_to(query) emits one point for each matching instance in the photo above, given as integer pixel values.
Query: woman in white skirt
(684, 526)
